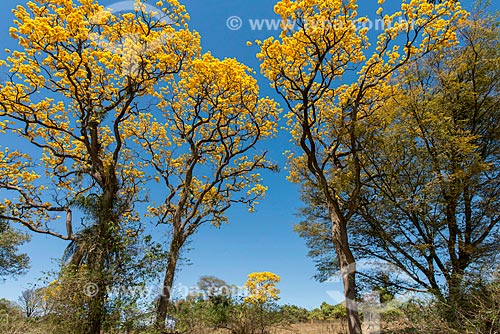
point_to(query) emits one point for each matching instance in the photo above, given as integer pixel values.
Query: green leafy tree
(11, 317)
(212, 287)
(327, 312)
(12, 262)
(432, 207)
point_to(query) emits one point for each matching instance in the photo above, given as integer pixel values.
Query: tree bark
(98, 260)
(348, 269)
(97, 309)
(173, 257)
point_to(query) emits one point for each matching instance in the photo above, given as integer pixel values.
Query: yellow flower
(261, 287)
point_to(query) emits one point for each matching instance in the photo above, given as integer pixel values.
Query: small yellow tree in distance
(261, 287)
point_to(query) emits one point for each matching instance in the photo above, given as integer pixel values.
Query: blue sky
(260, 241)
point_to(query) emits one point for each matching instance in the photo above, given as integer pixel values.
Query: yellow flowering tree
(203, 150)
(329, 118)
(261, 288)
(79, 74)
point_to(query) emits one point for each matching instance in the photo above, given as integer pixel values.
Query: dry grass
(327, 327)
(330, 327)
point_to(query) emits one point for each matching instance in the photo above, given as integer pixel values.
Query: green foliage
(316, 230)
(430, 202)
(131, 265)
(478, 313)
(8, 308)
(67, 302)
(196, 315)
(222, 312)
(328, 312)
(12, 263)
(214, 288)
(294, 314)
(480, 310)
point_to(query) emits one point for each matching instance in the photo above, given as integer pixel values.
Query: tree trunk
(103, 254)
(348, 270)
(454, 298)
(262, 327)
(97, 309)
(173, 257)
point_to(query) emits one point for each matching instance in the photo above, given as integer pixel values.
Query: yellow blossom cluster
(77, 79)
(261, 287)
(335, 81)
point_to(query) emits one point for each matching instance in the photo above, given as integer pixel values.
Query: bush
(294, 314)
(477, 313)
(329, 312)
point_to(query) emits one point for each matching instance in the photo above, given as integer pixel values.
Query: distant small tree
(31, 302)
(212, 286)
(262, 290)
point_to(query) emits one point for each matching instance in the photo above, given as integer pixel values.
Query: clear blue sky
(261, 241)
